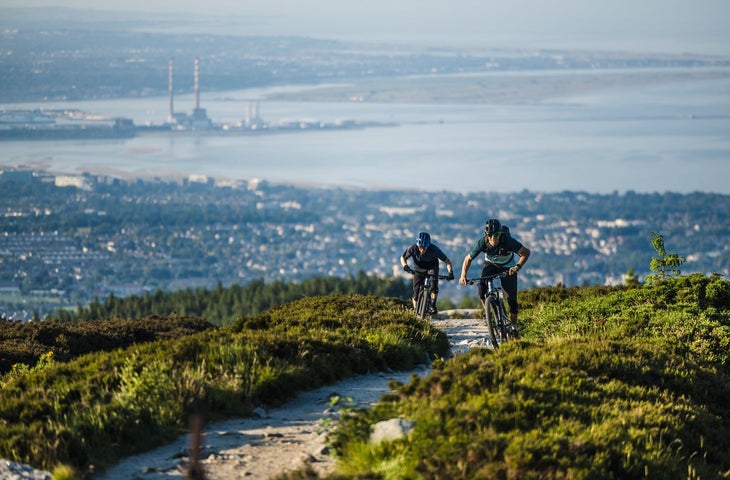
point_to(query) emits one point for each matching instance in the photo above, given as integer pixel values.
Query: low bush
(99, 407)
(621, 383)
(25, 342)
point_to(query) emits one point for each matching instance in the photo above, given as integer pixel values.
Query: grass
(91, 411)
(606, 383)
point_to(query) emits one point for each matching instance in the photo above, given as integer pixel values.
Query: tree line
(222, 305)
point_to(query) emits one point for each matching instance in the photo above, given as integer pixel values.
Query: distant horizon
(650, 26)
(614, 141)
(641, 138)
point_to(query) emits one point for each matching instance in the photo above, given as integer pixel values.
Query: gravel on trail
(277, 441)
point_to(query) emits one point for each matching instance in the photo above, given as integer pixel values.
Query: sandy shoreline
(499, 87)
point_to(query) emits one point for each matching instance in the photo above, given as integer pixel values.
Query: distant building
(198, 120)
(16, 176)
(9, 288)
(252, 118)
(73, 181)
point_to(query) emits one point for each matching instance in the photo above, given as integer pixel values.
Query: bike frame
(499, 325)
(423, 297)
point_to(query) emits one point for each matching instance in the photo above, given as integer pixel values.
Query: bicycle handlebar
(440, 277)
(470, 281)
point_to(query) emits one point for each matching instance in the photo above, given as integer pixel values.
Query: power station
(198, 119)
(75, 124)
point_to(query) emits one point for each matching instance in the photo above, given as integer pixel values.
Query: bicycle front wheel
(491, 312)
(508, 329)
(422, 303)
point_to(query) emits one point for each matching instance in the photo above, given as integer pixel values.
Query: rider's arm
(524, 254)
(449, 266)
(464, 268)
(407, 253)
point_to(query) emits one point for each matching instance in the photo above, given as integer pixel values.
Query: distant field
(492, 88)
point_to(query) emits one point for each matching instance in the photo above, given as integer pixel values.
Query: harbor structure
(60, 124)
(198, 119)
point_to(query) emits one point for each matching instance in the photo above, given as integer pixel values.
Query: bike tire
(512, 331)
(490, 309)
(422, 304)
(503, 323)
(509, 330)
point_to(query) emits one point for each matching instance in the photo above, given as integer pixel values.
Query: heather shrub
(101, 406)
(619, 383)
(25, 343)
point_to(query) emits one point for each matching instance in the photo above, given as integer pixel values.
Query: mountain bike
(423, 296)
(499, 325)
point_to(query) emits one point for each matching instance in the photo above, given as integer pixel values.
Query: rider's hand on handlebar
(451, 276)
(407, 268)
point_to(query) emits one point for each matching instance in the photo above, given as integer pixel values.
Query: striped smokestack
(171, 115)
(197, 89)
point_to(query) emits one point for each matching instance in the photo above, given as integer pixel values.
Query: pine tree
(664, 264)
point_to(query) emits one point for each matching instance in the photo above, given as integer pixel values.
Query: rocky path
(274, 441)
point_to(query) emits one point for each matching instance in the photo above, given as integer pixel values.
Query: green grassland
(96, 408)
(607, 382)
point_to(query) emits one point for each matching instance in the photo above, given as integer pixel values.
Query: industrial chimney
(200, 118)
(171, 114)
(197, 86)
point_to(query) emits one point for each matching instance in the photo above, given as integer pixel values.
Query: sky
(662, 26)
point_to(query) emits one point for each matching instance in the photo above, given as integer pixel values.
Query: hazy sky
(695, 26)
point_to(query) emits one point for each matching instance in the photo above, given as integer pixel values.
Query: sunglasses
(496, 234)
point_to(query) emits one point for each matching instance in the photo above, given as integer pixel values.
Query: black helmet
(423, 240)
(492, 226)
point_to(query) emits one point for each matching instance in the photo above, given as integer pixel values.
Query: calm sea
(674, 137)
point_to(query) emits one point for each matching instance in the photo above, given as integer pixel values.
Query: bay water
(671, 137)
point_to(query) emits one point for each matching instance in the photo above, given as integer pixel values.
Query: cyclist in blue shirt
(426, 258)
(501, 252)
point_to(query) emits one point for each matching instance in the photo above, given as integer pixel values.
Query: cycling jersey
(501, 255)
(428, 259)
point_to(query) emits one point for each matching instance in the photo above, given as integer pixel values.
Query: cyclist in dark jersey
(501, 252)
(426, 258)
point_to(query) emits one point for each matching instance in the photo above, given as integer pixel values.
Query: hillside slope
(607, 383)
(97, 408)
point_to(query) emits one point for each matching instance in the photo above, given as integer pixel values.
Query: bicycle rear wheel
(491, 312)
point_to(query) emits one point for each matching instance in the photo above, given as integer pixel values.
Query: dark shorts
(419, 277)
(509, 285)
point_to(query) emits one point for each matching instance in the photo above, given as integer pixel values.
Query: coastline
(498, 87)
(618, 132)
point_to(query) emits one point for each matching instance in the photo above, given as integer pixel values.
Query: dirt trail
(282, 439)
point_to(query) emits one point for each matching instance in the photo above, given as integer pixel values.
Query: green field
(606, 382)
